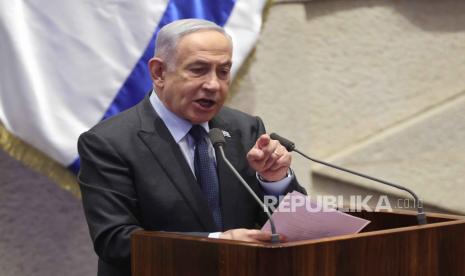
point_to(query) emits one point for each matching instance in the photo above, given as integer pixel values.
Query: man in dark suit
(143, 169)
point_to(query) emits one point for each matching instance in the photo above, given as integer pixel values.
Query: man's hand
(269, 159)
(249, 235)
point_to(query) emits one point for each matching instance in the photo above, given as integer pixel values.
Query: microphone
(290, 146)
(218, 141)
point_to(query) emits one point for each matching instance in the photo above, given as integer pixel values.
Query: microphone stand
(290, 146)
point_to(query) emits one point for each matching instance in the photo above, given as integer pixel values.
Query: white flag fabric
(66, 65)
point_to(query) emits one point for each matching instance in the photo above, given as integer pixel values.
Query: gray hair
(170, 34)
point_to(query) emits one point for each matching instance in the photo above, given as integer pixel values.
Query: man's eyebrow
(198, 63)
(227, 64)
(203, 62)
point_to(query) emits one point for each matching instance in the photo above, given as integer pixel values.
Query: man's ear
(157, 69)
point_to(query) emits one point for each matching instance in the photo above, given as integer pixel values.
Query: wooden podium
(392, 244)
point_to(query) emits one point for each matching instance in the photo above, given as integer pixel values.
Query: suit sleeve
(293, 186)
(109, 198)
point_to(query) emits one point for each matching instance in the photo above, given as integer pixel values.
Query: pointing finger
(263, 141)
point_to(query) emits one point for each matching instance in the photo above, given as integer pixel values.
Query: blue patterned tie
(205, 171)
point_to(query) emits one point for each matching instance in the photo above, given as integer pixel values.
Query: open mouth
(205, 103)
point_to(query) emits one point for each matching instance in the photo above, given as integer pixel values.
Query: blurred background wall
(42, 226)
(376, 86)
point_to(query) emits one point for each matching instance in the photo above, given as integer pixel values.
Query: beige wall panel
(334, 75)
(426, 154)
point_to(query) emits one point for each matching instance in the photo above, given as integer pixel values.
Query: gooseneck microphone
(218, 141)
(290, 146)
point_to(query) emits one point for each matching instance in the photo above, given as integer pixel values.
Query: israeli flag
(66, 65)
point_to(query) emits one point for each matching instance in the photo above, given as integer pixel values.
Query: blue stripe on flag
(74, 167)
(138, 84)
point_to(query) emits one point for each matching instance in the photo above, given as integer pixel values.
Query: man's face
(198, 85)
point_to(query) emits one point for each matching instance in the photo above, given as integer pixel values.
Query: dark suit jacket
(134, 176)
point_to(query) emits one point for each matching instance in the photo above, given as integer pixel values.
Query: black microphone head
(290, 146)
(217, 137)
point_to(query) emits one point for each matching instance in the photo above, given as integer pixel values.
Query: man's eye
(197, 70)
(224, 72)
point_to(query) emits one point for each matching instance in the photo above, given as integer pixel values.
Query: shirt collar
(177, 126)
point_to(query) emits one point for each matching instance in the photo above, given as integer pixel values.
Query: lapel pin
(226, 134)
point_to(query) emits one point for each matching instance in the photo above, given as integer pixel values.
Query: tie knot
(197, 132)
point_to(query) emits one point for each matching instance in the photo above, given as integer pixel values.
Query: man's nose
(212, 82)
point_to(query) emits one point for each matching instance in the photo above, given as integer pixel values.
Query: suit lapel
(166, 151)
(229, 185)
